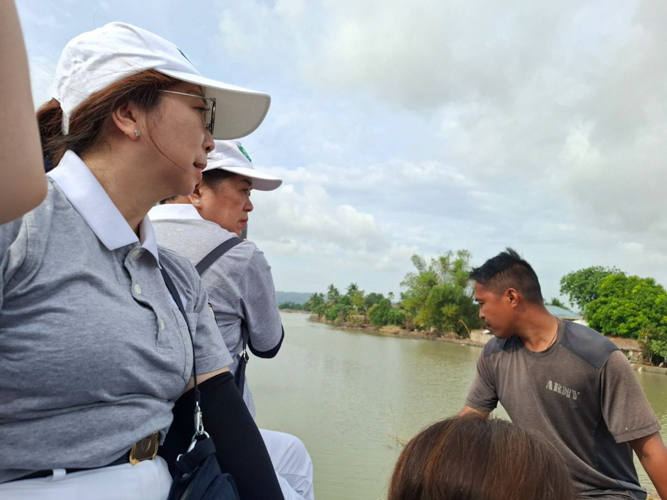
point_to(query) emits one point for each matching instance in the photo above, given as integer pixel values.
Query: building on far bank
(565, 314)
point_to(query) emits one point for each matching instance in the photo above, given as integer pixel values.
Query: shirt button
(161, 324)
(137, 289)
(136, 253)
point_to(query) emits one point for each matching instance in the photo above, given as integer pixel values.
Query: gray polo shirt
(239, 284)
(581, 394)
(93, 350)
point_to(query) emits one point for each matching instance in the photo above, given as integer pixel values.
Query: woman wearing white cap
(94, 352)
(238, 282)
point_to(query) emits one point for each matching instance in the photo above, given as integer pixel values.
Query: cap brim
(238, 111)
(260, 181)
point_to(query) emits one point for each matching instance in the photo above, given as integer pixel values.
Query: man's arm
(630, 418)
(482, 396)
(468, 410)
(653, 456)
(262, 317)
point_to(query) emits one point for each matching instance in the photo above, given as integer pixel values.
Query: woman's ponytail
(49, 119)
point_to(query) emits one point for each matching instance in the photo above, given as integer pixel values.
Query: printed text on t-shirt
(560, 389)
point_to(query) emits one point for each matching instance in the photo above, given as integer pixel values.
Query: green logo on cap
(244, 152)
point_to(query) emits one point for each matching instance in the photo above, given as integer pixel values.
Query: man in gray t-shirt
(566, 382)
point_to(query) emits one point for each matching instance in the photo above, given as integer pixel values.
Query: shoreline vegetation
(630, 347)
(438, 297)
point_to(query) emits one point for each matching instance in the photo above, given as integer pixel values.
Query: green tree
(417, 285)
(556, 302)
(654, 344)
(356, 298)
(372, 298)
(339, 312)
(627, 305)
(294, 306)
(383, 313)
(316, 304)
(581, 287)
(331, 313)
(439, 295)
(333, 295)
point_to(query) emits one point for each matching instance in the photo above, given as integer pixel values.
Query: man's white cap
(230, 156)
(94, 60)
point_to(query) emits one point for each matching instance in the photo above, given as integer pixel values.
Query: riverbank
(397, 331)
(478, 339)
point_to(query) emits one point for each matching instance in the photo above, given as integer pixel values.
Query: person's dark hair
(213, 178)
(89, 121)
(472, 458)
(509, 270)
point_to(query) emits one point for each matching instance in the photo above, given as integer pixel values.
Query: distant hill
(296, 297)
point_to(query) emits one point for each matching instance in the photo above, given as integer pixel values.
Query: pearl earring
(197, 202)
(137, 133)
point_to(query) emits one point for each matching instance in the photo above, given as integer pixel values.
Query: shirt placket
(142, 290)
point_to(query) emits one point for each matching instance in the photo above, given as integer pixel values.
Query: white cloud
(309, 214)
(567, 95)
(388, 177)
(433, 125)
(311, 240)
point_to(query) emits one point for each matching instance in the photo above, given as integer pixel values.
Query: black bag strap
(202, 266)
(239, 376)
(199, 425)
(216, 253)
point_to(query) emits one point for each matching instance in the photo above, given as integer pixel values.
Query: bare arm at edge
(652, 454)
(468, 410)
(22, 180)
(205, 376)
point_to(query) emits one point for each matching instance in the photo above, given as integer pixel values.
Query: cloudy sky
(405, 126)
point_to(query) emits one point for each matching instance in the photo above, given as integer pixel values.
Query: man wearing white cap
(204, 227)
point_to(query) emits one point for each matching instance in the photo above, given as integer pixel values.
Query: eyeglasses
(210, 111)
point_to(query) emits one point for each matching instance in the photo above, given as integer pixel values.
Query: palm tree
(333, 295)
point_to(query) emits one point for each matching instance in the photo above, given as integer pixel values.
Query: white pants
(292, 463)
(148, 480)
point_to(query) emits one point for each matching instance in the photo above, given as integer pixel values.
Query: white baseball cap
(96, 59)
(232, 157)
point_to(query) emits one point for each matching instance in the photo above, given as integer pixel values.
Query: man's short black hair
(509, 270)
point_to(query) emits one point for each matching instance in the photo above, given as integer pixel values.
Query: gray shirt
(93, 350)
(239, 284)
(581, 394)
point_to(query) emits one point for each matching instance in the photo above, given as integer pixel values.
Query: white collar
(92, 202)
(174, 211)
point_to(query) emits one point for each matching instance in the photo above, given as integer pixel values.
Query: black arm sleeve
(240, 449)
(270, 353)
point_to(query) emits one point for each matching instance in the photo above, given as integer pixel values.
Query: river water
(354, 398)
